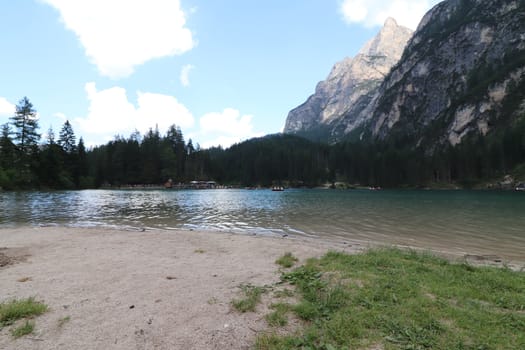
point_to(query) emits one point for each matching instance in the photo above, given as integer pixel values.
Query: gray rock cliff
(351, 83)
(462, 72)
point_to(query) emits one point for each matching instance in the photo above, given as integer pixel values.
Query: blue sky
(222, 70)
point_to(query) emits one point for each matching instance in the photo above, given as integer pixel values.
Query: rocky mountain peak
(351, 81)
(391, 40)
(390, 23)
(462, 73)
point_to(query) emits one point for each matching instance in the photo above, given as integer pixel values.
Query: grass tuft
(396, 299)
(287, 260)
(284, 293)
(24, 329)
(278, 317)
(276, 342)
(17, 309)
(252, 297)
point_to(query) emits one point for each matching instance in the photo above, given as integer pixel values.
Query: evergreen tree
(189, 148)
(26, 139)
(7, 148)
(50, 136)
(7, 158)
(150, 154)
(67, 139)
(51, 172)
(83, 166)
(67, 142)
(168, 162)
(175, 139)
(25, 122)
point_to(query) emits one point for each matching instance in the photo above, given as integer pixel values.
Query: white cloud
(374, 12)
(119, 35)
(6, 107)
(60, 116)
(110, 113)
(226, 128)
(185, 74)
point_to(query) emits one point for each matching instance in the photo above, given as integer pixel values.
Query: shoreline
(161, 289)
(132, 289)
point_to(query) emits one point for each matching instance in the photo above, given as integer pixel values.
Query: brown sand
(110, 289)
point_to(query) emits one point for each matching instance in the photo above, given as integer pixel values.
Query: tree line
(148, 159)
(27, 162)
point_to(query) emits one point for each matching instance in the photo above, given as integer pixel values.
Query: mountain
(350, 85)
(462, 73)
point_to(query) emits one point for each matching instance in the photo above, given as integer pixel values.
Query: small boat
(277, 188)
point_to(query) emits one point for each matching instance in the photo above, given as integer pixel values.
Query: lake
(473, 222)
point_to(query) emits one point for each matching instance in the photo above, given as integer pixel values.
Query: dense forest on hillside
(27, 162)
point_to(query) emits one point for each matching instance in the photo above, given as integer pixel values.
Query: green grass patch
(394, 299)
(276, 342)
(252, 297)
(25, 329)
(17, 309)
(284, 293)
(278, 317)
(287, 260)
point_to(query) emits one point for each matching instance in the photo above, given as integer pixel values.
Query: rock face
(462, 72)
(351, 83)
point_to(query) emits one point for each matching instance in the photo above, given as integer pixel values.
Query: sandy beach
(141, 290)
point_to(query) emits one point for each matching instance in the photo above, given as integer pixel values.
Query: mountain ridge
(350, 82)
(462, 64)
(461, 73)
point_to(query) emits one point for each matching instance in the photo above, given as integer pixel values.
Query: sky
(222, 70)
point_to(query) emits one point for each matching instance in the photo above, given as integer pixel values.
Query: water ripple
(460, 220)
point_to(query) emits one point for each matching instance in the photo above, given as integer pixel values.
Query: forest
(61, 162)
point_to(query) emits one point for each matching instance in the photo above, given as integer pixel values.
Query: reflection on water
(459, 221)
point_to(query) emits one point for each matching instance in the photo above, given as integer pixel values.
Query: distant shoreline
(485, 186)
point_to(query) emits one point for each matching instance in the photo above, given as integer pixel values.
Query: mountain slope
(462, 72)
(350, 85)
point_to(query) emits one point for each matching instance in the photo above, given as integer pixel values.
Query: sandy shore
(140, 290)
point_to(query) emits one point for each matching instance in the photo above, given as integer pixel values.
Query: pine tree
(150, 154)
(7, 158)
(26, 137)
(81, 177)
(25, 122)
(52, 163)
(175, 138)
(7, 148)
(67, 139)
(50, 136)
(82, 158)
(189, 148)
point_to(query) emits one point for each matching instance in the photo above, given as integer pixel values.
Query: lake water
(473, 222)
